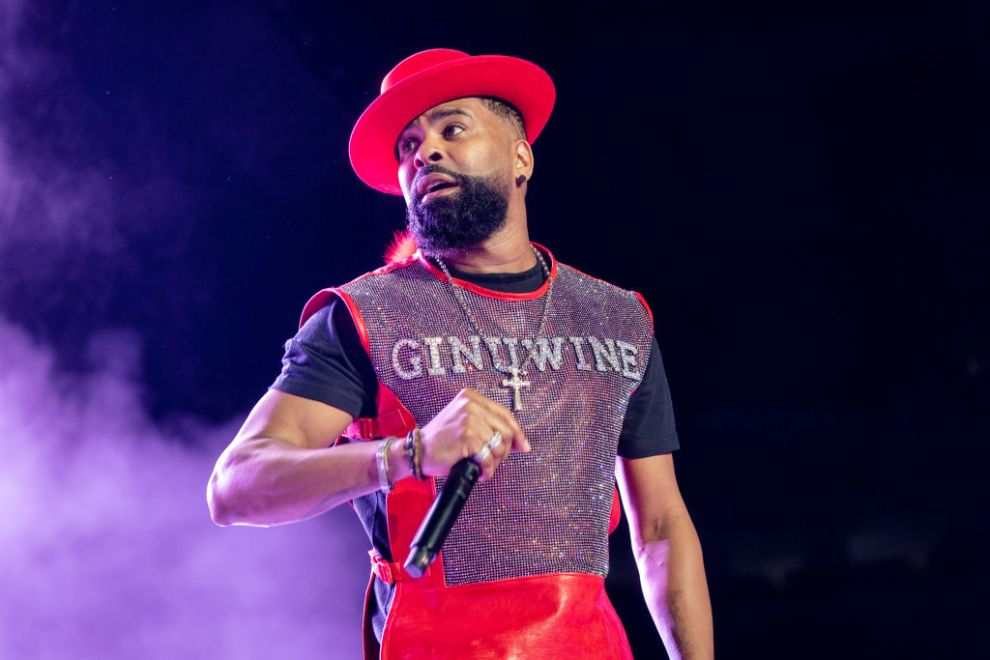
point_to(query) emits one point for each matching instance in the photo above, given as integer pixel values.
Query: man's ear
(523, 160)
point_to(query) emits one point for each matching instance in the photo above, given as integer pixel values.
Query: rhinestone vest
(545, 511)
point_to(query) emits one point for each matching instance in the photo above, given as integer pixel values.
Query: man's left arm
(668, 554)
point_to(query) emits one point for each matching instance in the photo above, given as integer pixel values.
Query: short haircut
(508, 112)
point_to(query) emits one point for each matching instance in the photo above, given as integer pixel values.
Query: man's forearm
(673, 577)
(270, 482)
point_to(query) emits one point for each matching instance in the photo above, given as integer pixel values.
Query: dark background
(798, 189)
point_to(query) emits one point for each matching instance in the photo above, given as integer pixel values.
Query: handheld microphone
(441, 517)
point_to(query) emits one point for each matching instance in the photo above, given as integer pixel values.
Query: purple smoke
(107, 548)
(53, 188)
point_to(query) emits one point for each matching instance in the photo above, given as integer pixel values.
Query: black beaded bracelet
(414, 453)
(419, 454)
(409, 448)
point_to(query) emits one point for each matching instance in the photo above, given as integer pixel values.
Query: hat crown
(418, 62)
(430, 77)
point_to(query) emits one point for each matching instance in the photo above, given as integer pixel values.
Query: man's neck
(508, 251)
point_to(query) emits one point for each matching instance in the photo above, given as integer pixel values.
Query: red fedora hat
(431, 77)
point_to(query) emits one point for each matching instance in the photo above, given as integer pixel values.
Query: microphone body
(441, 517)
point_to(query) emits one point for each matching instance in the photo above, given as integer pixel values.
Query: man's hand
(461, 430)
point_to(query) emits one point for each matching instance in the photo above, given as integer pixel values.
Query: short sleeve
(648, 428)
(326, 362)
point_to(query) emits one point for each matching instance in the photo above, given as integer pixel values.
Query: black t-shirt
(326, 362)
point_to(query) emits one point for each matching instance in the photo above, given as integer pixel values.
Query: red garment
(521, 573)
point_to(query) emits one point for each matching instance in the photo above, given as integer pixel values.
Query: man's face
(455, 170)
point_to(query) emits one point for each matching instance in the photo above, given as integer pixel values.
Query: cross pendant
(515, 383)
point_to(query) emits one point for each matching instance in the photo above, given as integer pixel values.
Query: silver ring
(482, 455)
(495, 440)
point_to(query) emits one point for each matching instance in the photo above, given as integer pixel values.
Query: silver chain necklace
(515, 382)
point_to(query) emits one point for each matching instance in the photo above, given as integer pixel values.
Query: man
(480, 345)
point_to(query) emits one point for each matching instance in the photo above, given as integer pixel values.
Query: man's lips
(433, 183)
(438, 193)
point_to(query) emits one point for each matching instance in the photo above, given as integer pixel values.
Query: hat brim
(519, 82)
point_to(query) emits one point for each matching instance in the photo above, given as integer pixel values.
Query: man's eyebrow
(437, 115)
(447, 112)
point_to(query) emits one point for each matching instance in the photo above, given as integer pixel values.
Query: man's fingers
(487, 459)
(505, 442)
(506, 423)
(498, 445)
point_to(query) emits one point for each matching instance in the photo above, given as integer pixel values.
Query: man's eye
(405, 147)
(452, 130)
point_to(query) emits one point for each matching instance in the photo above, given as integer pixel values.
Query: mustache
(427, 170)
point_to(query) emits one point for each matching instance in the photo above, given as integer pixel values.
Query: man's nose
(427, 153)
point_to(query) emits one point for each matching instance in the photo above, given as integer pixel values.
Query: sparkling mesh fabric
(545, 511)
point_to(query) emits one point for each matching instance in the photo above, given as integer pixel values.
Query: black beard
(460, 219)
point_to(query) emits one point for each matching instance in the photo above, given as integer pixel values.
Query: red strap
(389, 572)
(365, 428)
(393, 418)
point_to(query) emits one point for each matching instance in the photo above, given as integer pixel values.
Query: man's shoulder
(587, 280)
(597, 287)
(325, 297)
(389, 268)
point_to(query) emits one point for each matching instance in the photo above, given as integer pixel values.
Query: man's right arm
(283, 465)
(280, 468)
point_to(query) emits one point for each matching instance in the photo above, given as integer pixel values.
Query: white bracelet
(381, 458)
